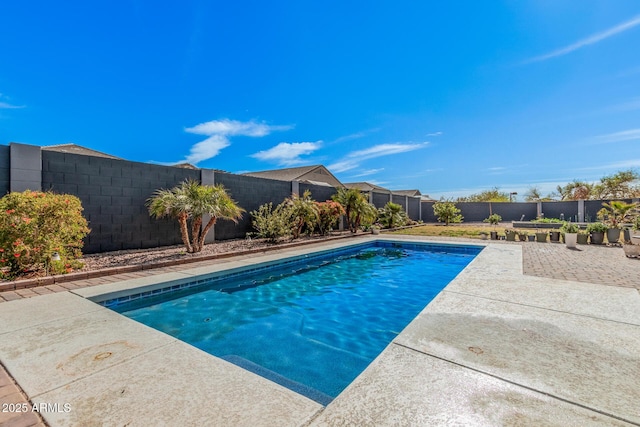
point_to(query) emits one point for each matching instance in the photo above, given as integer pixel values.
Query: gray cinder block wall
(113, 194)
(5, 167)
(249, 193)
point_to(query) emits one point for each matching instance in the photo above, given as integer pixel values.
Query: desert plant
(271, 224)
(493, 219)
(328, 215)
(392, 215)
(34, 226)
(303, 213)
(569, 227)
(358, 210)
(188, 202)
(447, 212)
(617, 212)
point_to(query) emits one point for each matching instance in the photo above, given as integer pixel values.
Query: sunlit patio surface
(496, 347)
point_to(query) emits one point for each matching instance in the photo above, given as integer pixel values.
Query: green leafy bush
(597, 227)
(447, 212)
(547, 220)
(303, 213)
(270, 223)
(36, 225)
(569, 227)
(493, 219)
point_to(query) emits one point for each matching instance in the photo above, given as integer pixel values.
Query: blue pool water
(312, 324)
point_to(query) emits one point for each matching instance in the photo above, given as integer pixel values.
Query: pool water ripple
(319, 322)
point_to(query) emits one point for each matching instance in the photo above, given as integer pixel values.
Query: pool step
(302, 389)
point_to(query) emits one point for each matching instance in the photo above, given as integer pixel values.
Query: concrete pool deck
(496, 347)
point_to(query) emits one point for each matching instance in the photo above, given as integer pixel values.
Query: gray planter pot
(613, 235)
(597, 238)
(541, 237)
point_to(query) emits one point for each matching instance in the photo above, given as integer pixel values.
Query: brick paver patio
(589, 263)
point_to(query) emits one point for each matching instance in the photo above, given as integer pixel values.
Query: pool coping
(258, 400)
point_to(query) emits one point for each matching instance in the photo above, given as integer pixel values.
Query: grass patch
(452, 230)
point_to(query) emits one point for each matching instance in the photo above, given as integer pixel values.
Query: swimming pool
(311, 323)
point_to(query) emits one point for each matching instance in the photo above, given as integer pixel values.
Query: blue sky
(451, 98)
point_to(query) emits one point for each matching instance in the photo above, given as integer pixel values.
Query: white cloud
(233, 127)
(589, 40)
(207, 149)
(218, 132)
(287, 153)
(352, 160)
(342, 166)
(384, 150)
(368, 172)
(4, 105)
(627, 135)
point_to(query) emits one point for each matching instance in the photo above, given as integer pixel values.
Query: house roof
(78, 149)
(410, 193)
(366, 186)
(297, 174)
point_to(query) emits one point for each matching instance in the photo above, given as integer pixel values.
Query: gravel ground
(149, 256)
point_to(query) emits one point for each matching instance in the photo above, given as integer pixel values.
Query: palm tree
(357, 209)
(189, 202)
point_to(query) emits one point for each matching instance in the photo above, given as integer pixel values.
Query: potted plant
(570, 231)
(522, 235)
(614, 214)
(583, 237)
(541, 236)
(554, 236)
(493, 219)
(510, 234)
(596, 232)
(631, 247)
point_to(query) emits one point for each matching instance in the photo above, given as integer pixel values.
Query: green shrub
(547, 220)
(597, 227)
(569, 227)
(303, 213)
(493, 219)
(447, 212)
(35, 225)
(270, 223)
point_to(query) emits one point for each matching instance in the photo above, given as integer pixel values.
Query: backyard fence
(114, 192)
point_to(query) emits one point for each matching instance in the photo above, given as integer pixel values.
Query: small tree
(188, 202)
(447, 212)
(616, 213)
(357, 208)
(303, 213)
(34, 226)
(328, 215)
(493, 219)
(392, 215)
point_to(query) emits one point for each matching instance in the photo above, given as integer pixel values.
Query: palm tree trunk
(184, 232)
(195, 233)
(206, 229)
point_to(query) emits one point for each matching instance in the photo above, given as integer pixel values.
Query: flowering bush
(328, 215)
(34, 226)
